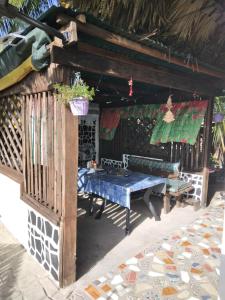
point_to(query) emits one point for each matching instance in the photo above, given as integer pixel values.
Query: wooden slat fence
(133, 136)
(11, 133)
(190, 157)
(42, 135)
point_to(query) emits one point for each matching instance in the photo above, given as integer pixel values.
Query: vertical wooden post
(207, 143)
(69, 197)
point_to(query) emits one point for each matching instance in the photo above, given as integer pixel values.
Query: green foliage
(218, 131)
(219, 128)
(33, 8)
(213, 161)
(66, 93)
(17, 3)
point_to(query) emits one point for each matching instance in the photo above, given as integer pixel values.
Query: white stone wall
(197, 183)
(37, 234)
(43, 242)
(13, 211)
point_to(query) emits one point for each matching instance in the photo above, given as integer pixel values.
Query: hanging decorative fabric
(169, 116)
(109, 122)
(110, 117)
(130, 83)
(185, 128)
(189, 117)
(148, 111)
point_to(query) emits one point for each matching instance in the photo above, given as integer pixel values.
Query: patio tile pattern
(184, 265)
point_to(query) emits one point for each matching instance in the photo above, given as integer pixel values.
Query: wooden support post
(166, 203)
(68, 222)
(207, 143)
(178, 201)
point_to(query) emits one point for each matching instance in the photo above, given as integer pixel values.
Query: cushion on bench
(155, 167)
(176, 185)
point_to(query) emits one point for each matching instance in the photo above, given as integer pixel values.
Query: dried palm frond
(190, 26)
(195, 21)
(132, 15)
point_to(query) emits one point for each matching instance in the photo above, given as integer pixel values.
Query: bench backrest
(143, 164)
(151, 165)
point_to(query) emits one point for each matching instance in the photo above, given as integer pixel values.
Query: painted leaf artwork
(185, 128)
(188, 119)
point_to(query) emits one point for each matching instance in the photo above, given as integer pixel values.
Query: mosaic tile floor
(184, 265)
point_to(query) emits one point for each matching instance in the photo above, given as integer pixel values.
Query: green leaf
(65, 93)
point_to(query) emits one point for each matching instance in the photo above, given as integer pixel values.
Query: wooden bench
(176, 187)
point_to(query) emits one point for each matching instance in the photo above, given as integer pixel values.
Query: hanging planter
(79, 106)
(77, 96)
(218, 117)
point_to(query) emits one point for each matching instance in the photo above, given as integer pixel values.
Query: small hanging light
(169, 116)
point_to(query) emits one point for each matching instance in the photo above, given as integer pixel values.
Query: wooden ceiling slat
(118, 40)
(113, 65)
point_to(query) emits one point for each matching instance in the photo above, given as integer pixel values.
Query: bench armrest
(117, 164)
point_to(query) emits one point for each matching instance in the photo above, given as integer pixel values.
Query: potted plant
(76, 95)
(219, 109)
(218, 131)
(218, 117)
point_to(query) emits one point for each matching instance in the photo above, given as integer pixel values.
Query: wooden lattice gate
(11, 133)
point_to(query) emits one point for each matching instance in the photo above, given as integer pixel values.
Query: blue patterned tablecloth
(83, 179)
(116, 188)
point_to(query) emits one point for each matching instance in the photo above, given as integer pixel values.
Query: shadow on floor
(213, 188)
(96, 237)
(11, 256)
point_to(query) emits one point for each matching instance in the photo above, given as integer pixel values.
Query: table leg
(99, 213)
(127, 230)
(148, 202)
(91, 207)
(153, 211)
(178, 201)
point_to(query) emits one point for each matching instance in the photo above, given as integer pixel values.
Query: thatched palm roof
(195, 27)
(192, 26)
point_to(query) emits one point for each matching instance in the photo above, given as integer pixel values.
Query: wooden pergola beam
(119, 90)
(113, 65)
(118, 40)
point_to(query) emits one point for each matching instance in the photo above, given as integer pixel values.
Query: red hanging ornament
(130, 83)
